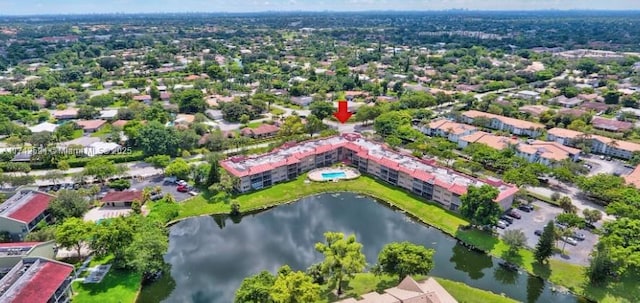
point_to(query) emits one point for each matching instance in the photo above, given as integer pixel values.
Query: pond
(210, 256)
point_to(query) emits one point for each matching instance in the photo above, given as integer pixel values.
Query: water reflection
(470, 262)
(535, 288)
(211, 256)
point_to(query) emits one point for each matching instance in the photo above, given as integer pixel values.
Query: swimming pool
(334, 175)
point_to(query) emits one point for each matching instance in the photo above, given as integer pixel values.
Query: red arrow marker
(343, 113)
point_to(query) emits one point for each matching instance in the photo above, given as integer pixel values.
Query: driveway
(537, 219)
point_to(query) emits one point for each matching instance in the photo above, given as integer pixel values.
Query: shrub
(120, 184)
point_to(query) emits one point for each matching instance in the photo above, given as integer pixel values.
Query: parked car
(570, 240)
(501, 224)
(157, 196)
(578, 236)
(602, 157)
(609, 158)
(513, 214)
(193, 193)
(506, 219)
(526, 208)
(538, 232)
(182, 188)
(170, 180)
(182, 182)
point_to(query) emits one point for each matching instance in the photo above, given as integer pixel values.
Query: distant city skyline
(39, 7)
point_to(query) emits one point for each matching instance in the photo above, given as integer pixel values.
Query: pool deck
(349, 174)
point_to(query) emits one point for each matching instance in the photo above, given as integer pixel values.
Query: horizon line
(449, 10)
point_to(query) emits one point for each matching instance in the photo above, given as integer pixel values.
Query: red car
(183, 188)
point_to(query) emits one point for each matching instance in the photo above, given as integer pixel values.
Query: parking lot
(603, 166)
(536, 220)
(167, 188)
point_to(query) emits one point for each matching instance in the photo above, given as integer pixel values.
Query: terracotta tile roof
(447, 126)
(119, 123)
(610, 124)
(263, 129)
(506, 120)
(634, 177)
(548, 150)
(564, 133)
(497, 142)
(123, 196)
(91, 124)
(44, 283)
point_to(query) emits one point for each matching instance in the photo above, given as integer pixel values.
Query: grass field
(117, 287)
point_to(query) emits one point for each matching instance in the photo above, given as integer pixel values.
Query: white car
(182, 182)
(570, 240)
(502, 224)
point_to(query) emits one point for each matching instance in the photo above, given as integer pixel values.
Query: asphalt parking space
(536, 220)
(159, 181)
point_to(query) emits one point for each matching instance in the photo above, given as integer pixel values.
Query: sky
(30, 7)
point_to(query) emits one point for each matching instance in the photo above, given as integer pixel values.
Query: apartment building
(448, 129)
(37, 280)
(21, 213)
(421, 177)
(597, 144)
(511, 125)
(546, 153)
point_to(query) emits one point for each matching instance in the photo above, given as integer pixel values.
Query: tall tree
(322, 109)
(403, 259)
(214, 170)
(72, 233)
(145, 253)
(343, 257)
(113, 237)
(294, 287)
(102, 169)
(178, 168)
(189, 101)
(255, 289)
(313, 125)
(478, 205)
(68, 204)
(544, 248)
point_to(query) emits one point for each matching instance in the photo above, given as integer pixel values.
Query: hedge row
(81, 162)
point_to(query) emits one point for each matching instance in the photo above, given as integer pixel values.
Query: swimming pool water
(334, 175)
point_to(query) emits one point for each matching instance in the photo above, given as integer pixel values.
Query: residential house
(408, 291)
(424, 178)
(143, 98)
(122, 198)
(66, 114)
(534, 110)
(511, 125)
(108, 114)
(165, 96)
(302, 101)
(90, 126)
(566, 102)
(37, 280)
(597, 107)
(611, 125)
(214, 114)
(634, 177)
(527, 94)
(262, 131)
(43, 127)
(448, 129)
(20, 214)
(184, 119)
(119, 123)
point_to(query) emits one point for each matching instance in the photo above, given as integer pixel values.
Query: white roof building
(43, 127)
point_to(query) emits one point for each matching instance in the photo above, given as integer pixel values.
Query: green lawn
(567, 275)
(254, 124)
(77, 134)
(467, 294)
(117, 287)
(430, 213)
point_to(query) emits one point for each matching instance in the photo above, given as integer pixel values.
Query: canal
(210, 256)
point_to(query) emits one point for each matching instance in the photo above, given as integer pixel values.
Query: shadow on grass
(478, 239)
(542, 270)
(624, 289)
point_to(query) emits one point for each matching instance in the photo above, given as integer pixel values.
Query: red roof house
(37, 280)
(122, 198)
